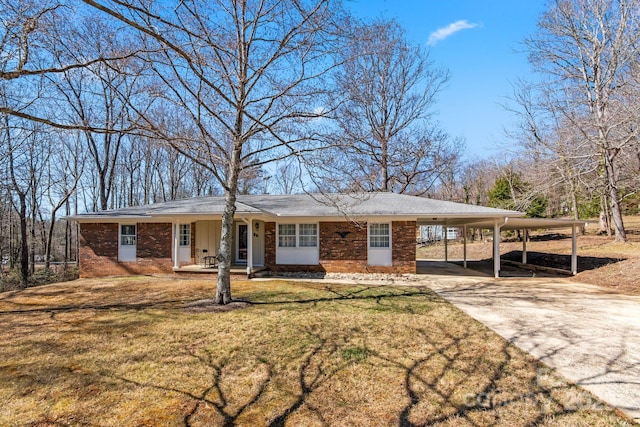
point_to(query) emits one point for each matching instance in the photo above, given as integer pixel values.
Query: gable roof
(308, 205)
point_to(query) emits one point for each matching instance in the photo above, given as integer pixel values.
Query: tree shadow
(561, 261)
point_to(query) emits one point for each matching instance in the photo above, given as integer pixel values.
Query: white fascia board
(110, 219)
(362, 218)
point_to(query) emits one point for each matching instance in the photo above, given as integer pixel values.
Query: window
(298, 235)
(308, 235)
(127, 234)
(185, 235)
(287, 235)
(378, 235)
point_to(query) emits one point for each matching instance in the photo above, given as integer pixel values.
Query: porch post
(525, 236)
(496, 249)
(574, 250)
(176, 245)
(249, 248)
(464, 246)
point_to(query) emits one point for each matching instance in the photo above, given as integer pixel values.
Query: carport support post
(525, 237)
(496, 249)
(464, 246)
(574, 250)
(446, 242)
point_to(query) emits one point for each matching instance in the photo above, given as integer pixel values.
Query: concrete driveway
(588, 334)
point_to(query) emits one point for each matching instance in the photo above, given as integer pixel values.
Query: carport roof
(522, 223)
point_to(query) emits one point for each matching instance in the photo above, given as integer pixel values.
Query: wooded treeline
(112, 104)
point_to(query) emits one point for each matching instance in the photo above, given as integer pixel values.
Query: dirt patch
(561, 261)
(210, 306)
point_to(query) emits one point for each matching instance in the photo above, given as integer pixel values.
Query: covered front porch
(196, 245)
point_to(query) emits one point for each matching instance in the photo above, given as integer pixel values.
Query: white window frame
(127, 249)
(375, 237)
(292, 238)
(184, 235)
(130, 241)
(379, 255)
(314, 235)
(297, 253)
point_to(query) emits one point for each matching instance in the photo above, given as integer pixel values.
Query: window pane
(308, 235)
(379, 235)
(185, 234)
(127, 235)
(287, 235)
(128, 230)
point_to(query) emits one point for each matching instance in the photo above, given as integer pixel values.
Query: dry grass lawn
(135, 351)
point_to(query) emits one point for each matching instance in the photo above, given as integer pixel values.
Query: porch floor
(201, 269)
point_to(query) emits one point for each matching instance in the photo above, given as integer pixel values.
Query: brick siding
(99, 250)
(270, 243)
(404, 246)
(349, 254)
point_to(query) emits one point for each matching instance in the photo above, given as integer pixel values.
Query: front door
(241, 243)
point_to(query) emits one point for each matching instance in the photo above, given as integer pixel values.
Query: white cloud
(444, 32)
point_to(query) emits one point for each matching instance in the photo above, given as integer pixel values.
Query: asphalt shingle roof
(307, 205)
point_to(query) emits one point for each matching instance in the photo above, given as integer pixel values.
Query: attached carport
(496, 225)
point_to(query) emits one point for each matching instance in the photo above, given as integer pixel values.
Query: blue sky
(480, 42)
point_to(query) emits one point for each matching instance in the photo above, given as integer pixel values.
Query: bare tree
(63, 171)
(25, 163)
(560, 158)
(390, 140)
(98, 96)
(38, 38)
(588, 49)
(248, 74)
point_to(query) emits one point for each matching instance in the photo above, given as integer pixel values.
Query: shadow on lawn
(561, 261)
(448, 370)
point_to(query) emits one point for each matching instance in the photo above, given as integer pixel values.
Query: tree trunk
(24, 248)
(47, 252)
(223, 290)
(616, 212)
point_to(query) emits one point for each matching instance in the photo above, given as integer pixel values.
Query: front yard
(135, 351)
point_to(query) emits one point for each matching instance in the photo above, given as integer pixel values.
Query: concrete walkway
(589, 335)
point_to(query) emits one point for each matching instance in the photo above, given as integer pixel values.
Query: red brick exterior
(403, 237)
(99, 250)
(349, 254)
(269, 243)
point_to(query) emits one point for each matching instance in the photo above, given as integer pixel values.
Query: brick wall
(270, 243)
(99, 250)
(349, 254)
(351, 247)
(404, 246)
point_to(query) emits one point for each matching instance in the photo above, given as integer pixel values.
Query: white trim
(380, 256)
(127, 253)
(237, 245)
(298, 255)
